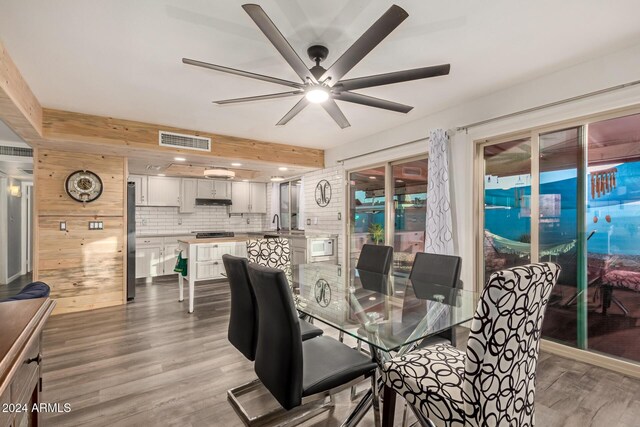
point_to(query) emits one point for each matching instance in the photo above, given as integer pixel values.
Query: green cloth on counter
(181, 265)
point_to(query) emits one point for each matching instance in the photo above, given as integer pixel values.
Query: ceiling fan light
(317, 95)
(277, 178)
(219, 173)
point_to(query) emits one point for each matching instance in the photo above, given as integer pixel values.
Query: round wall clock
(323, 193)
(322, 292)
(83, 186)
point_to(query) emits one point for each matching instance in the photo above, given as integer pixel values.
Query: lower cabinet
(156, 256)
(209, 258)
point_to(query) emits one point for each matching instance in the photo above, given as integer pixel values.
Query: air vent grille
(187, 142)
(15, 151)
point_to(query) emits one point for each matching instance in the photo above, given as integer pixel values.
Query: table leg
(191, 291)
(181, 287)
(388, 406)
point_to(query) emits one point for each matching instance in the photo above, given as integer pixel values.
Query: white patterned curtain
(439, 234)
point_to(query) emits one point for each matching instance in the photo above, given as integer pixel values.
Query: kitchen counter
(146, 235)
(195, 241)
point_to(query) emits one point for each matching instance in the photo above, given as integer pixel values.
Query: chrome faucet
(276, 220)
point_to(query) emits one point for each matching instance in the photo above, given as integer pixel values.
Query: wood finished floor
(152, 363)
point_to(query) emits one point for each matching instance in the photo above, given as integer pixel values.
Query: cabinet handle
(36, 359)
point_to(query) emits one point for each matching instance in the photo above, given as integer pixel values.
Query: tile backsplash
(167, 220)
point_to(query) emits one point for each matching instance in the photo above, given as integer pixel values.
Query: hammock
(507, 246)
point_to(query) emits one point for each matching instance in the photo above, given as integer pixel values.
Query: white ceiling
(122, 58)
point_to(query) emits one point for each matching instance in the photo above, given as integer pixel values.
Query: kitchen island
(204, 260)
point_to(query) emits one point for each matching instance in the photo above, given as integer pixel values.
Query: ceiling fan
(325, 86)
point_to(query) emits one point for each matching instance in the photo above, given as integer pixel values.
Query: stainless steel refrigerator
(131, 241)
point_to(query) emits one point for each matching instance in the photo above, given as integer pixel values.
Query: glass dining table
(391, 314)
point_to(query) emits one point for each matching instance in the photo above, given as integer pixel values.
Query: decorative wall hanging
(322, 292)
(323, 193)
(603, 182)
(83, 186)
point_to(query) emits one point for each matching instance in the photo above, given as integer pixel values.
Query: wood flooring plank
(152, 363)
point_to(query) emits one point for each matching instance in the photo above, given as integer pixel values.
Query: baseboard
(596, 359)
(14, 277)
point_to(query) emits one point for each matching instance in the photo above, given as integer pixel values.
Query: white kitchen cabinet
(188, 191)
(240, 197)
(141, 189)
(163, 191)
(222, 189)
(213, 189)
(169, 257)
(206, 189)
(248, 197)
(258, 196)
(149, 261)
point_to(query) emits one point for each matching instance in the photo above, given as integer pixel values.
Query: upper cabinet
(188, 191)
(258, 197)
(248, 197)
(163, 191)
(141, 189)
(212, 189)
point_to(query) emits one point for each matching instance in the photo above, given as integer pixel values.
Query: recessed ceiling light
(245, 180)
(179, 159)
(317, 94)
(372, 178)
(161, 174)
(236, 164)
(277, 178)
(399, 181)
(282, 168)
(372, 298)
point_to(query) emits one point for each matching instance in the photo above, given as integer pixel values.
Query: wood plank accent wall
(65, 126)
(19, 107)
(85, 268)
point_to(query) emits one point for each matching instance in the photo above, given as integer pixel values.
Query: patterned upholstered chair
(493, 384)
(272, 252)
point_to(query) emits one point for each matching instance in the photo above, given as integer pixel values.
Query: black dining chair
(243, 320)
(435, 269)
(375, 259)
(299, 373)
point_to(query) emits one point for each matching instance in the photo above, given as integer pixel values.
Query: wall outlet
(308, 221)
(248, 220)
(179, 221)
(96, 225)
(339, 216)
(63, 225)
(315, 220)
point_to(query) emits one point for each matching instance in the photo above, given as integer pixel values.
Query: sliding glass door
(387, 206)
(367, 205)
(571, 195)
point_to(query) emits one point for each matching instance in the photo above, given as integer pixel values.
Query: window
(290, 196)
(571, 195)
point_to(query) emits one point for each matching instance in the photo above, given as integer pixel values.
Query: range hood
(213, 202)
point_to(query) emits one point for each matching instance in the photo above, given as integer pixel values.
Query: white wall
(613, 69)
(325, 219)
(167, 220)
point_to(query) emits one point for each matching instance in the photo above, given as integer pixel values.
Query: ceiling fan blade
(370, 101)
(260, 97)
(279, 42)
(335, 112)
(293, 112)
(242, 73)
(365, 44)
(395, 77)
